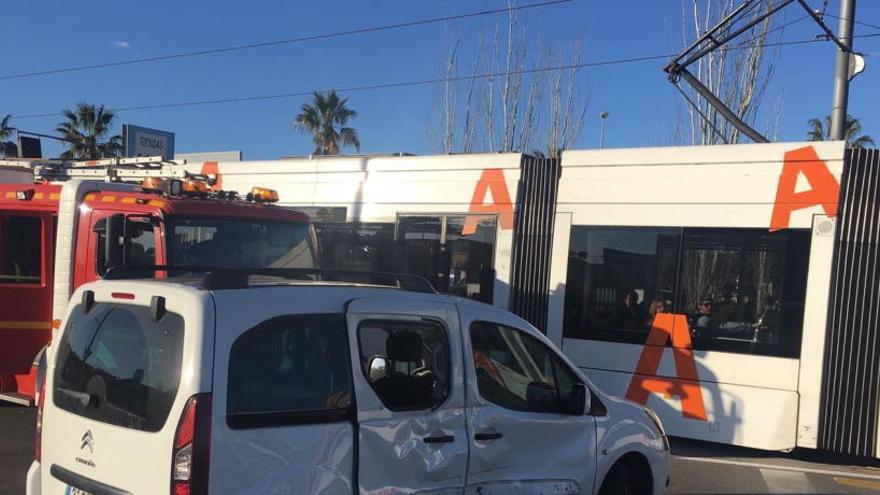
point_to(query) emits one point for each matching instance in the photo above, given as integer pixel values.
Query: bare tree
(448, 103)
(500, 104)
(568, 106)
(738, 73)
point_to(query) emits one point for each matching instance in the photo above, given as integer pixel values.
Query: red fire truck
(63, 224)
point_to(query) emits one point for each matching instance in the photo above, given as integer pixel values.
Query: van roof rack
(240, 278)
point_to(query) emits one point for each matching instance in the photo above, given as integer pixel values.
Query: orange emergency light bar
(264, 195)
(195, 187)
(152, 184)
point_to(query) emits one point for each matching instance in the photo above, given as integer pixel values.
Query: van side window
(20, 249)
(290, 369)
(117, 365)
(516, 371)
(406, 363)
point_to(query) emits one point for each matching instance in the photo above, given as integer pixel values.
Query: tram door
(456, 253)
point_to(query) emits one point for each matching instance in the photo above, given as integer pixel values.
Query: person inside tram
(630, 314)
(746, 306)
(658, 305)
(704, 321)
(727, 308)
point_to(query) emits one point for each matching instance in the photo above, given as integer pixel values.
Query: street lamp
(602, 117)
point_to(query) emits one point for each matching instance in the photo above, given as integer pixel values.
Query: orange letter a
(824, 187)
(491, 180)
(686, 386)
(213, 168)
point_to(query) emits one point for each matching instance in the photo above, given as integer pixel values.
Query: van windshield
(117, 365)
(237, 243)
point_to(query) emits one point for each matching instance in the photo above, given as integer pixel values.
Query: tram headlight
(659, 425)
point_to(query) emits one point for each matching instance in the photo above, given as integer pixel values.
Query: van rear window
(119, 366)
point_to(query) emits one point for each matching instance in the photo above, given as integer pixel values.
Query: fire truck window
(227, 243)
(100, 246)
(142, 244)
(21, 250)
(616, 276)
(741, 290)
(140, 247)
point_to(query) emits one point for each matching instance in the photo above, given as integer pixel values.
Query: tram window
(422, 249)
(743, 290)
(471, 247)
(616, 276)
(455, 253)
(20, 249)
(356, 246)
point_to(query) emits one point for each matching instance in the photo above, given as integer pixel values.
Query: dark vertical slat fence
(533, 239)
(851, 375)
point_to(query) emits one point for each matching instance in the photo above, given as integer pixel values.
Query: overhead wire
(423, 82)
(778, 28)
(860, 23)
(351, 89)
(264, 44)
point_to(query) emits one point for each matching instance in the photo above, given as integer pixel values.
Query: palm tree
(325, 118)
(820, 131)
(7, 147)
(84, 129)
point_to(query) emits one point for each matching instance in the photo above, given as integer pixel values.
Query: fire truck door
(26, 269)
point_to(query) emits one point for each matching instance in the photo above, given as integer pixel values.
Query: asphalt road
(706, 468)
(16, 446)
(697, 467)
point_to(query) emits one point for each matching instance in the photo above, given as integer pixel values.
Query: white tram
(733, 289)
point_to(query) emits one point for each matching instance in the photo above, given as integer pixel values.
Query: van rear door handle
(488, 436)
(440, 439)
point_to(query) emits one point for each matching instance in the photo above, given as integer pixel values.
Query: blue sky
(641, 103)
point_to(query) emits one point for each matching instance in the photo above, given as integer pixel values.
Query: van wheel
(627, 477)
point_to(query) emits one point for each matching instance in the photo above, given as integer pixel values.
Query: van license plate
(75, 491)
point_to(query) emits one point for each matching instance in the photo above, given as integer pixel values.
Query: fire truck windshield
(238, 243)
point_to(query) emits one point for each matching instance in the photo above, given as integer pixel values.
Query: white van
(243, 383)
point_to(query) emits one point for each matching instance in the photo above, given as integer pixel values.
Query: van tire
(629, 476)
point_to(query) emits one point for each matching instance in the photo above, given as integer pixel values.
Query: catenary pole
(841, 72)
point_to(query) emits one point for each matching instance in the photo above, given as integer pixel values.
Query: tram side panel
(694, 280)
(449, 218)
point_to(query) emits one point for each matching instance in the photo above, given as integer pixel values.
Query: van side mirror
(114, 242)
(378, 368)
(541, 396)
(579, 401)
